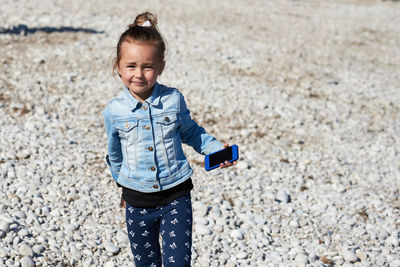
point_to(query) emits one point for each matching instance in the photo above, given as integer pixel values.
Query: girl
(146, 125)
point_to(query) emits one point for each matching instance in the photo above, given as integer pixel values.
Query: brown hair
(146, 34)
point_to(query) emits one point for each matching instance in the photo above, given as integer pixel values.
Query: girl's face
(139, 67)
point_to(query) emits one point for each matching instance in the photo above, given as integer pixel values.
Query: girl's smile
(139, 68)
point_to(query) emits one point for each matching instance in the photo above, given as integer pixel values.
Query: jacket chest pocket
(127, 129)
(167, 125)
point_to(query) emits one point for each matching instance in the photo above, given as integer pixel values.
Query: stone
(361, 255)
(242, 255)
(294, 224)
(283, 196)
(38, 249)
(202, 230)
(111, 248)
(237, 234)
(122, 238)
(25, 249)
(23, 232)
(350, 256)
(393, 240)
(27, 261)
(109, 264)
(301, 260)
(5, 226)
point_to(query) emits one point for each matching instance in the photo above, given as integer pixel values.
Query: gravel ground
(309, 90)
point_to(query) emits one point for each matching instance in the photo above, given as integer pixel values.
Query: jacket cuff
(214, 146)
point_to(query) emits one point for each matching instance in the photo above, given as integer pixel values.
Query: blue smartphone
(214, 160)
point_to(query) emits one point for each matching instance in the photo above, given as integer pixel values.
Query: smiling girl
(146, 125)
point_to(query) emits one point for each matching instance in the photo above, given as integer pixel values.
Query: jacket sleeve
(194, 135)
(114, 157)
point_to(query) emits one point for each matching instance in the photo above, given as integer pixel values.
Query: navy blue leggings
(173, 222)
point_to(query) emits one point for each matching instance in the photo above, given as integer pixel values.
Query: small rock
(38, 249)
(25, 250)
(393, 240)
(350, 256)
(224, 256)
(109, 264)
(242, 255)
(361, 255)
(218, 228)
(27, 262)
(202, 229)
(301, 260)
(231, 263)
(23, 233)
(312, 256)
(242, 165)
(5, 226)
(383, 234)
(237, 234)
(294, 224)
(201, 220)
(199, 208)
(283, 196)
(88, 262)
(111, 248)
(260, 220)
(122, 238)
(395, 263)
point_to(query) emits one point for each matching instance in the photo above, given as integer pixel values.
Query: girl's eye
(148, 67)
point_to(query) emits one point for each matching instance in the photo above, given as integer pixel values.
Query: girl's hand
(226, 164)
(122, 204)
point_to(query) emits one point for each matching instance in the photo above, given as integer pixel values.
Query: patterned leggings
(173, 221)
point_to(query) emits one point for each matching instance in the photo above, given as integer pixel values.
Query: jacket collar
(153, 100)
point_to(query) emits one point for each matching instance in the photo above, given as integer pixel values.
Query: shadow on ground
(22, 29)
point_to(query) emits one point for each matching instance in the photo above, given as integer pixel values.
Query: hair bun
(145, 19)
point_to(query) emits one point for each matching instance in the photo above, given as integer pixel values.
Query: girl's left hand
(122, 204)
(226, 164)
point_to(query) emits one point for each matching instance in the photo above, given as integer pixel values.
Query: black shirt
(153, 200)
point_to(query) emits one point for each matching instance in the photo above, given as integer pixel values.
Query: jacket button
(150, 148)
(147, 127)
(166, 119)
(155, 186)
(144, 107)
(153, 169)
(127, 125)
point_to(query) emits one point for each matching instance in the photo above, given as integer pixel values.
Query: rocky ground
(308, 90)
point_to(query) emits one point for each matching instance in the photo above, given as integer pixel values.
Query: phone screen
(221, 156)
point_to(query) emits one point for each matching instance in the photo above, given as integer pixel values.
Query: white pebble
(27, 262)
(242, 255)
(202, 230)
(282, 196)
(109, 264)
(111, 248)
(301, 260)
(350, 256)
(294, 224)
(237, 234)
(5, 226)
(25, 250)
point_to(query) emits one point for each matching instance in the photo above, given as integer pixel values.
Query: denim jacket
(145, 139)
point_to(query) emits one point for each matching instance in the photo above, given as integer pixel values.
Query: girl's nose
(138, 72)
